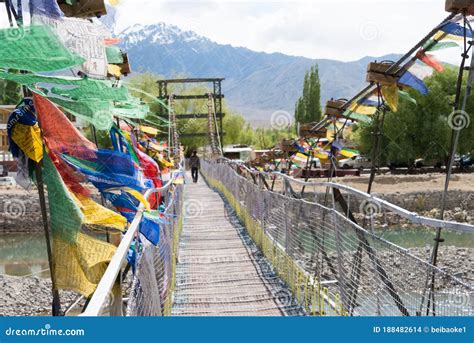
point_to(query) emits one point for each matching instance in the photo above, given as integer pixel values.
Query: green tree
(237, 130)
(308, 106)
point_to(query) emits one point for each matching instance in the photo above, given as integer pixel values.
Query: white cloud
(336, 29)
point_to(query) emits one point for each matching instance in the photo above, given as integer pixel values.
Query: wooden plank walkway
(220, 272)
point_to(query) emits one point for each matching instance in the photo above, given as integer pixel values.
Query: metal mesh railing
(154, 280)
(148, 290)
(327, 242)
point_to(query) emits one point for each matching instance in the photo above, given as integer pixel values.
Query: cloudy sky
(337, 29)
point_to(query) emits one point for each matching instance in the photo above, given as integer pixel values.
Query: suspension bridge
(239, 241)
(238, 248)
(245, 242)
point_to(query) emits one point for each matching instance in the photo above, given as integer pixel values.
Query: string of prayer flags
(432, 45)
(453, 31)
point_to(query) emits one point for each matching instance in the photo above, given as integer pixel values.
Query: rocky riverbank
(20, 211)
(406, 269)
(29, 296)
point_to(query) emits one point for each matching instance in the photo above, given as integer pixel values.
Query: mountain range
(256, 84)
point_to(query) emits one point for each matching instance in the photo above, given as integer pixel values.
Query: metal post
(379, 122)
(56, 305)
(372, 256)
(309, 163)
(454, 144)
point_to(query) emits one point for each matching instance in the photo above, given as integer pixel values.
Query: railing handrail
(341, 216)
(412, 216)
(104, 288)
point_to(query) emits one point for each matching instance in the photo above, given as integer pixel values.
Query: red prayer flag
(61, 136)
(429, 60)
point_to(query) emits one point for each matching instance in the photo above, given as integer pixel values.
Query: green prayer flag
(406, 96)
(114, 55)
(73, 87)
(432, 45)
(65, 216)
(98, 113)
(357, 116)
(34, 48)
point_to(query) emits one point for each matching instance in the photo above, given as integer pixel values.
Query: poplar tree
(308, 106)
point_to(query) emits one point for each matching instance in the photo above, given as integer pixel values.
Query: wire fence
(326, 241)
(154, 279)
(148, 289)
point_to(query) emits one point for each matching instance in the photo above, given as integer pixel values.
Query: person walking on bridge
(195, 165)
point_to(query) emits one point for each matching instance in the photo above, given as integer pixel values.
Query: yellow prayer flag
(79, 266)
(149, 130)
(440, 35)
(95, 214)
(114, 70)
(156, 147)
(363, 109)
(390, 94)
(28, 139)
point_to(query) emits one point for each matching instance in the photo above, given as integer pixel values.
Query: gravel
(29, 296)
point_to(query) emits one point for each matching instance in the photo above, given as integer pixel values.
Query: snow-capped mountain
(160, 33)
(257, 83)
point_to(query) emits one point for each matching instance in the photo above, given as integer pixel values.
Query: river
(25, 254)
